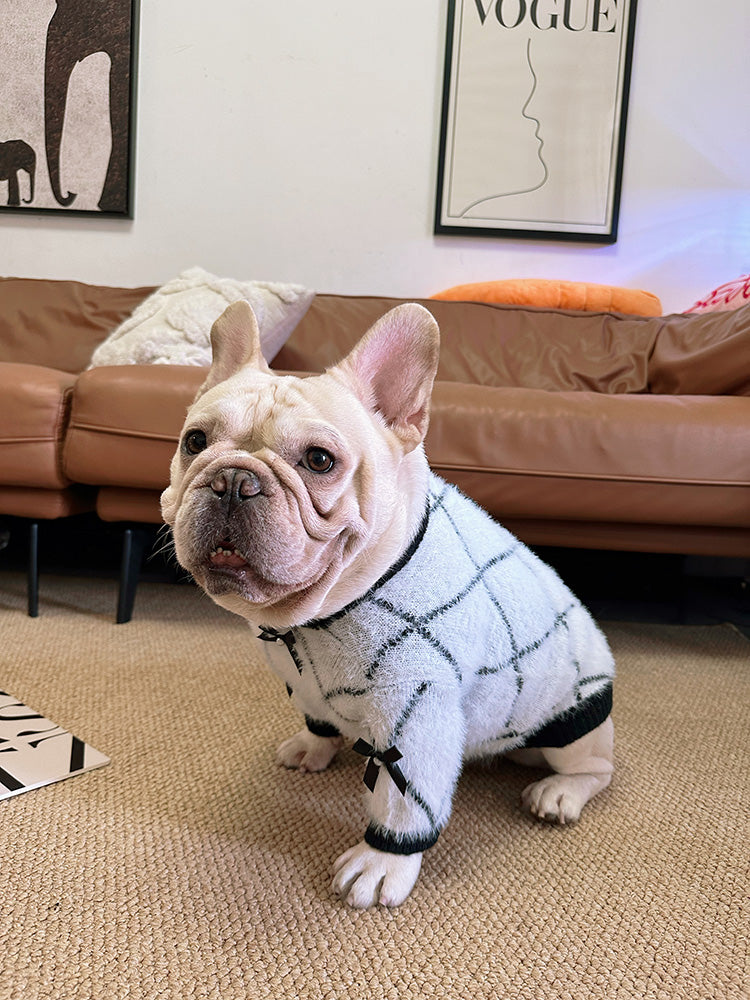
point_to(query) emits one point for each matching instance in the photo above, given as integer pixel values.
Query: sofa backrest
(551, 349)
(58, 324)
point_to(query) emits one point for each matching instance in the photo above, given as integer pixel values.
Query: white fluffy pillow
(172, 326)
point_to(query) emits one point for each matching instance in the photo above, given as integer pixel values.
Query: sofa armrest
(34, 405)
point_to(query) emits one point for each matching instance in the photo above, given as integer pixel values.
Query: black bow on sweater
(271, 635)
(388, 757)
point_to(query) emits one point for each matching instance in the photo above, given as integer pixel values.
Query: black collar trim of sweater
(321, 623)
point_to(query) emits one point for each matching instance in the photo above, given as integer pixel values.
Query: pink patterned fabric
(728, 296)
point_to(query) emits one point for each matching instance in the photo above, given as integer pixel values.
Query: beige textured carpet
(192, 866)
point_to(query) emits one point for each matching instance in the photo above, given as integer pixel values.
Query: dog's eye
(194, 442)
(318, 460)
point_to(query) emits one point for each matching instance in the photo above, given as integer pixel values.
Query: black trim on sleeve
(574, 724)
(392, 843)
(318, 728)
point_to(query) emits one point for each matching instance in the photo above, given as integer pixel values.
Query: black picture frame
(67, 126)
(534, 115)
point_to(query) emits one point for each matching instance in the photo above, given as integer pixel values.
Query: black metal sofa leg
(32, 571)
(133, 544)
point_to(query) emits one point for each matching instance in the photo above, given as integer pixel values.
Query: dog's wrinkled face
(282, 488)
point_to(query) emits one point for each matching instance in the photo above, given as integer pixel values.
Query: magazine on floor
(35, 751)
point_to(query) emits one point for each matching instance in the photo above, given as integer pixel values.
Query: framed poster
(532, 133)
(68, 109)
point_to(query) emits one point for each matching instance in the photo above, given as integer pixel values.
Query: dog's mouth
(226, 556)
(225, 571)
(225, 568)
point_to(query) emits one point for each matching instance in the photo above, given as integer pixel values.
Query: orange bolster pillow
(583, 295)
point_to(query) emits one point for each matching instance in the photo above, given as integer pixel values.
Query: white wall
(298, 141)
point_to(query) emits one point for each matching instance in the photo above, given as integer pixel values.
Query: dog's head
(290, 496)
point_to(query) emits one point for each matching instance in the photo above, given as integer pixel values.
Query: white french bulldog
(401, 617)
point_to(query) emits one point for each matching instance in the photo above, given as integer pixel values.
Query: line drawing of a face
(514, 169)
(498, 140)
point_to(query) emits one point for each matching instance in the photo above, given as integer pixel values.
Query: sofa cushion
(647, 473)
(581, 455)
(550, 349)
(59, 323)
(34, 405)
(125, 421)
(486, 344)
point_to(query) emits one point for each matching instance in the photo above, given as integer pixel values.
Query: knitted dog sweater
(468, 646)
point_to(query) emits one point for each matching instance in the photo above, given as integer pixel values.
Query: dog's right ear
(235, 343)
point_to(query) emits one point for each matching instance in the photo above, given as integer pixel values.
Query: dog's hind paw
(307, 752)
(364, 876)
(559, 798)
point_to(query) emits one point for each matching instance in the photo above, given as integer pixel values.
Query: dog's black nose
(235, 484)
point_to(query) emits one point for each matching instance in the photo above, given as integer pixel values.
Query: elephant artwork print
(16, 157)
(67, 101)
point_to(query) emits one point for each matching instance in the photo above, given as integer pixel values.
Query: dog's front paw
(307, 752)
(364, 876)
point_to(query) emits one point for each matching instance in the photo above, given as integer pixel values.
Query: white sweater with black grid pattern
(468, 647)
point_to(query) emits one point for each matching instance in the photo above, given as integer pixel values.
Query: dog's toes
(307, 752)
(555, 799)
(357, 878)
(397, 886)
(364, 876)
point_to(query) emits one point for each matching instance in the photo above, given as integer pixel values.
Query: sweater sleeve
(425, 725)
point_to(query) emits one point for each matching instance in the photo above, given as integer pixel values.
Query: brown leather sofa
(578, 429)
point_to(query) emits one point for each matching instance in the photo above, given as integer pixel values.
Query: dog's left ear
(235, 343)
(392, 370)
